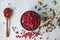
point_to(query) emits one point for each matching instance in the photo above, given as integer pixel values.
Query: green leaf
(44, 19)
(40, 3)
(58, 20)
(59, 24)
(54, 13)
(56, 17)
(50, 31)
(48, 22)
(55, 2)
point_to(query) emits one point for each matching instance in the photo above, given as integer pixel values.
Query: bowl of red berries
(30, 20)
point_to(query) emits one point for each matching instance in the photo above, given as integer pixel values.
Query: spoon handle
(7, 31)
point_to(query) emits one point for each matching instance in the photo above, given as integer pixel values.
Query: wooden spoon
(7, 14)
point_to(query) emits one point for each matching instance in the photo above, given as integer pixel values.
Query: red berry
(40, 37)
(7, 12)
(17, 32)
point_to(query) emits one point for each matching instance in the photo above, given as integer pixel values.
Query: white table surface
(21, 7)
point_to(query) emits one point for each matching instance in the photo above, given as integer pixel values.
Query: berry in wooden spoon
(7, 14)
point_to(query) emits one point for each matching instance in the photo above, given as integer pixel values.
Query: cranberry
(30, 20)
(40, 37)
(7, 12)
